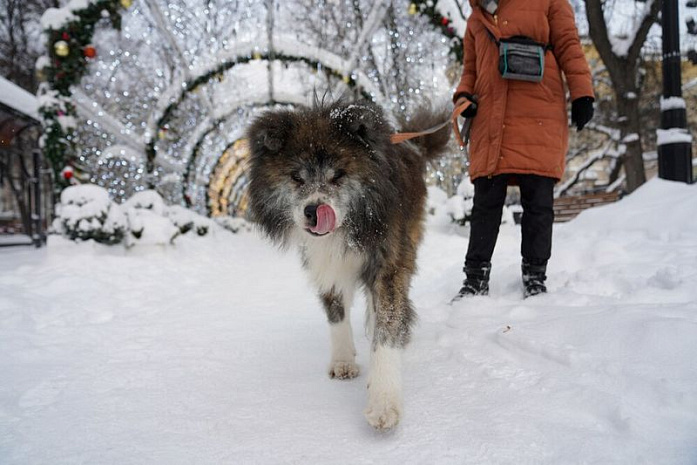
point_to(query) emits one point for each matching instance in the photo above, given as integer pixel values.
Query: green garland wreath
(69, 52)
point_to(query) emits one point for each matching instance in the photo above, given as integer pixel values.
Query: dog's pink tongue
(326, 220)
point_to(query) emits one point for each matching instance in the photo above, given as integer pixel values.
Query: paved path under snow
(215, 352)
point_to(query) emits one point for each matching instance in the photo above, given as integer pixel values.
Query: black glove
(471, 110)
(581, 111)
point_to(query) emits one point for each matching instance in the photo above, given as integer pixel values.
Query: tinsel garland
(67, 63)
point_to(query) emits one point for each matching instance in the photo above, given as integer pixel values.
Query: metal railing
(30, 184)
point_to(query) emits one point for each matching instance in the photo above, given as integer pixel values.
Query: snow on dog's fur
(328, 180)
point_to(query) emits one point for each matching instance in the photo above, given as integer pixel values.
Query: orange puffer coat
(521, 127)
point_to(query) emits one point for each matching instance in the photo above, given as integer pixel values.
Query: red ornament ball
(67, 173)
(65, 36)
(89, 51)
(444, 21)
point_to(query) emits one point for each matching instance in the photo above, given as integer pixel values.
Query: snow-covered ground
(214, 351)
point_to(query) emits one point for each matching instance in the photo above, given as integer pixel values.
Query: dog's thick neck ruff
(331, 262)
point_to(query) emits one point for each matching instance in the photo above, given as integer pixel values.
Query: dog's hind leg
(392, 317)
(338, 305)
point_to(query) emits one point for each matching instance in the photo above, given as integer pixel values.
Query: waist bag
(521, 58)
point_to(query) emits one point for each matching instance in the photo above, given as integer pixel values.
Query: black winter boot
(534, 279)
(477, 281)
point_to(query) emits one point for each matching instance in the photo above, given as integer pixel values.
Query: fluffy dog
(328, 180)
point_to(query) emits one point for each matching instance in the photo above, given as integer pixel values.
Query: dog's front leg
(343, 362)
(392, 315)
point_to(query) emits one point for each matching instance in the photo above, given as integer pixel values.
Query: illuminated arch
(171, 161)
(333, 65)
(227, 193)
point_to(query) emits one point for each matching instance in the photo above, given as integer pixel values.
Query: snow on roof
(18, 99)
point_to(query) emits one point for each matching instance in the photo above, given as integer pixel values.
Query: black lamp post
(674, 141)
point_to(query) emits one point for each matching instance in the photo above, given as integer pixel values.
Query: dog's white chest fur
(330, 264)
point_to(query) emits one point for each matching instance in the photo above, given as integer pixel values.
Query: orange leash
(399, 137)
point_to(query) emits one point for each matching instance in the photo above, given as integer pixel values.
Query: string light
(132, 81)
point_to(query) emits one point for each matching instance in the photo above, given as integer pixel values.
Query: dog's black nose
(311, 215)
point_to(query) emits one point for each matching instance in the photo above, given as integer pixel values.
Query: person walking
(515, 52)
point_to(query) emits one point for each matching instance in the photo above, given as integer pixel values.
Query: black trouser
(537, 198)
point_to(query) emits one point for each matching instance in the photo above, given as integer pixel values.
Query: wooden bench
(567, 208)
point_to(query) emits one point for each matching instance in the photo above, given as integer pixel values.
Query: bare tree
(622, 63)
(20, 39)
(394, 61)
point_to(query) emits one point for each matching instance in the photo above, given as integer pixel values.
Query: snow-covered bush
(186, 220)
(459, 206)
(86, 212)
(234, 225)
(146, 227)
(436, 198)
(146, 200)
(146, 221)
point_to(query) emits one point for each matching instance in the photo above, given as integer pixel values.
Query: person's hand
(581, 111)
(471, 110)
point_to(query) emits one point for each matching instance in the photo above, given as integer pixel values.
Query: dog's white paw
(383, 412)
(343, 370)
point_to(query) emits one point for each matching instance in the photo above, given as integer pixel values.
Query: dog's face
(311, 168)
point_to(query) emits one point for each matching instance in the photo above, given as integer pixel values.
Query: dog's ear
(364, 122)
(270, 131)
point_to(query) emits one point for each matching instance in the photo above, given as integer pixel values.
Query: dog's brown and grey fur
(340, 155)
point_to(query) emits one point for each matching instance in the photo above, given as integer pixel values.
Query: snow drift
(215, 351)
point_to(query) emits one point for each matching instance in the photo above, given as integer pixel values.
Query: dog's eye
(338, 174)
(295, 176)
